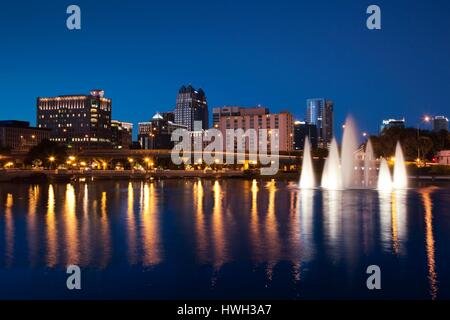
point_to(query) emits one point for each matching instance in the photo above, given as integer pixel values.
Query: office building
(303, 129)
(81, 121)
(257, 118)
(191, 106)
(19, 136)
(236, 111)
(156, 133)
(392, 123)
(319, 112)
(440, 123)
(121, 134)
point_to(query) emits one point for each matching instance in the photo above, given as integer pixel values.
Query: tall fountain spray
(349, 146)
(384, 177)
(332, 174)
(400, 177)
(307, 180)
(370, 171)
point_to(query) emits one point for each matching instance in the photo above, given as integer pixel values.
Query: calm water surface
(188, 239)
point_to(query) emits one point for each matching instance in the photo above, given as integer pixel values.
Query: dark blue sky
(246, 52)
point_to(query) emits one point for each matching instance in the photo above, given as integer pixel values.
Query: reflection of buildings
(303, 130)
(121, 134)
(319, 112)
(18, 135)
(156, 134)
(79, 120)
(191, 106)
(151, 245)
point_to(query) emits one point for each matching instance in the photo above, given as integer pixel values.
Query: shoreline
(29, 175)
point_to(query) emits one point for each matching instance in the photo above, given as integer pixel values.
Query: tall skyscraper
(440, 123)
(82, 121)
(319, 112)
(191, 106)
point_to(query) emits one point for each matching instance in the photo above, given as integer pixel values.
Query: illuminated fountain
(355, 168)
(370, 170)
(349, 147)
(384, 177)
(307, 180)
(332, 172)
(400, 177)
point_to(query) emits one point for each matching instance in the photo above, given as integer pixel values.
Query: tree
(426, 142)
(46, 149)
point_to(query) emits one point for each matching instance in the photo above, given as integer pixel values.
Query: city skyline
(268, 63)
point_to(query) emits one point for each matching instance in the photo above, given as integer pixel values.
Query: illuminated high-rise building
(81, 121)
(319, 112)
(191, 106)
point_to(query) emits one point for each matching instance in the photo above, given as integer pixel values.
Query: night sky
(246, 52)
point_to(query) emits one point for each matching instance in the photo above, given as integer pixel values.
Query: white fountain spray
(369, 166)
(307, 180)
(400, 177)
(332, 174)
(349, 146)
(384, 177)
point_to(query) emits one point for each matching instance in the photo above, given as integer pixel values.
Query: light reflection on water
(303, 238)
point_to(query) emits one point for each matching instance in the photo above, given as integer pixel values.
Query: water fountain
(307, 180)
(370, 170)
(349, 147)
(384, 177)
(349, 172)
(400, 177)
(332, 171)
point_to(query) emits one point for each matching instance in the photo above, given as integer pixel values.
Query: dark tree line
(45, 150)
(427, 143)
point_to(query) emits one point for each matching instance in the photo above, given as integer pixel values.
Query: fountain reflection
(393, 220)
(385, 208)
(399, 221)
(332, 219)
(306, 207)
(429, 239)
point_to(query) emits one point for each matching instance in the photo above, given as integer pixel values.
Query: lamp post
(424, 119)
(51, 159)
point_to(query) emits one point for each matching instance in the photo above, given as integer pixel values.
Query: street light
(425, 119)
(51, 159)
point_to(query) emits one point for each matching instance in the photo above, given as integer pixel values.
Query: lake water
(206, 239)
